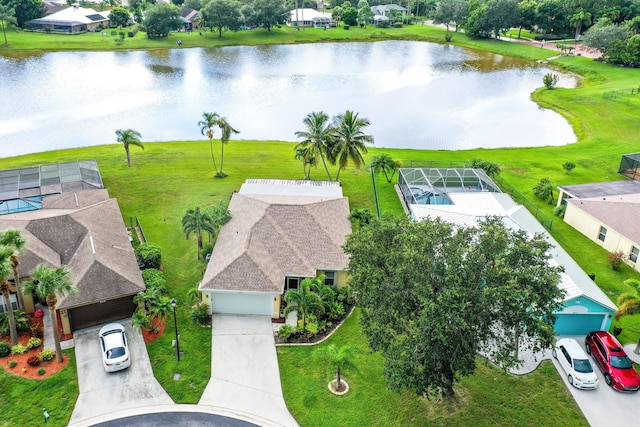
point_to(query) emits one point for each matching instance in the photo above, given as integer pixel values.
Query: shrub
(13, 364)
(397, 25)
(47, 354)
(5, 349)
(22, 322)
(346, 27)
(33, 361)
(41, 371)
(616, 259)
(18, 349)
(34, 343)
(154, 279)
(200, 313)
(568, 166)
(559, 210)
(37, 330)
(286, 331)
(550, 80)
(150, 254)
(544, 190)
(448, 36)
(133, 31)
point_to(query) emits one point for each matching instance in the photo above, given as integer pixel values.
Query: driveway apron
(245, 377)
(101, 392)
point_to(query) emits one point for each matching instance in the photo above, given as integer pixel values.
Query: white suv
(575, 363)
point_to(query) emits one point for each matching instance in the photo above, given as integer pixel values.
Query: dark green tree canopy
(119, 17)
(223, 14)
(160, 19)
(433, 295)
(25, 10)
(265, 13)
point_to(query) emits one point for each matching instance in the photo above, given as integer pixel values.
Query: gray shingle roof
(270, 237)
(616, 215)
(90, 237)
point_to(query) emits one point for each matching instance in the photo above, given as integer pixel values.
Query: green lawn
(168, 178)
(21, 401)
(490, 397)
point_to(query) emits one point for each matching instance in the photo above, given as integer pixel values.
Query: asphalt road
(178, 419)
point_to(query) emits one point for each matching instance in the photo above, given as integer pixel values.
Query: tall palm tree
(337, 358)
(129, 137)
(226, 130)
(629, 303)
(303, 301)
(317, 137)
(49, 283)
(208, 122)
(13, 238)
(386, 164)
(5, 273)
(198, 222)
(351, 140)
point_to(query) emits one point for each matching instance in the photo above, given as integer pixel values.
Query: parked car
(575, 363)
(614, 363)
(115, 350)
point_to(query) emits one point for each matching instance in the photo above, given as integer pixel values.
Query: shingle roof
(621, 216)
(270, 237)
(602, 189)
(90, 238)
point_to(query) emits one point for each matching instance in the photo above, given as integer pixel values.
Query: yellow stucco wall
(590, 227)
(276, 306)
(342, 279)
(66, 324)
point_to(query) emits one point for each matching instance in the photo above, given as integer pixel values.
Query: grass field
(168, 178)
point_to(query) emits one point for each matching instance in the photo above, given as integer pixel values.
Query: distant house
(387, 10)
(67, 217)
(189, 18)
(280, 233)
(465, 196)
(71, 20)
(310, 18)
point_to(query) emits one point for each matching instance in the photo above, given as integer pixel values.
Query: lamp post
(175, 323)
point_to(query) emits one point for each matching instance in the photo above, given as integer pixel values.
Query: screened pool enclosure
(630, 166)
(430, 186)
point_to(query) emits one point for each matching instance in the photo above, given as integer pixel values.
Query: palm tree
(490, 168)
(337, 358)
(226, 130)
(208, 122)
(544, 190)
(5, 273)
(303, 301)
(194, 295)
(49, 283)
(7, 19)
(317, 137)
(129, 137)
(307, 161)
(629, 303)
(198, 222)
(220, 215)
(351, 140)
(12, 238)
(326, 293)
(386, 164)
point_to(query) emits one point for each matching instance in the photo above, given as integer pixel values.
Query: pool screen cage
(630, 166)
(437, 182)
(23, 189)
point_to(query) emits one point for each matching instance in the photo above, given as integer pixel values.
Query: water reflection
(417, 95)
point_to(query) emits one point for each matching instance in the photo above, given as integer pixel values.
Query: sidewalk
(48, 332)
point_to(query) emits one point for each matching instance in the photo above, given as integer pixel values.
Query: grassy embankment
(168, 178)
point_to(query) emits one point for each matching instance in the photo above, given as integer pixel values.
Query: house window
(602, 234)
(633, 256)
(292, 283)
(330, 278)
(3, 303)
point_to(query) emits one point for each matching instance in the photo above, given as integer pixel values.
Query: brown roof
(621, 216)
(88, 234)
(270, 237)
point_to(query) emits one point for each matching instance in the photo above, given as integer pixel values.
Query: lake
(415, 94)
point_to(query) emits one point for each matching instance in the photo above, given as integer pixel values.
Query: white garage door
(242, 303)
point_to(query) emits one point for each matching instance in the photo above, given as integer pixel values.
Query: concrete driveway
(245, 377)
(603, 406)
(102, 393)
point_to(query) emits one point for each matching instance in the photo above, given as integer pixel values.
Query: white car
(115, 350)
(575, 363)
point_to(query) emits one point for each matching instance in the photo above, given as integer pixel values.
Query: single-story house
(607, 213)
(308, 17)
(189, 18)
(74, 222)
(465, 196)
(280, 232)
(387, 10)
(71, 20)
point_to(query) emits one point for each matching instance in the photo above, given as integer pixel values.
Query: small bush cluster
(133, 31)
(41, 371)
(154, 279)
(397, 24)
(47, 355)
(13, 364)
(150, 254)
(616, 259)
(33, 361)
(18, 349)
(550, 80)
(37, 330)
(22, 322)
(200, 313)
(5, 349)
(34, 343)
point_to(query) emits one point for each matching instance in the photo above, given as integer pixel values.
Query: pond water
(416, 95)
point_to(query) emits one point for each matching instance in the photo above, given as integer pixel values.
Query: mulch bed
(23, 369)
(157, 329)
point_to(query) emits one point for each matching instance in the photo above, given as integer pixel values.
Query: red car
(614, 363)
